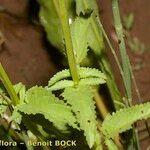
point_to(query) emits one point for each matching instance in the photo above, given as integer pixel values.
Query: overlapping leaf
(95, 40)
(41, 101)
(81, 101)
(88, 76)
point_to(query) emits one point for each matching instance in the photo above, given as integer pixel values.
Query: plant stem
(125, 61)
(68, 41)
(8, 85)
(122, 47)
(100, 103)
(112, 50)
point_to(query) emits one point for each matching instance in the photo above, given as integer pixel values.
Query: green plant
(66, 105)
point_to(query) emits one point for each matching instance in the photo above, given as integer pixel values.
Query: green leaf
(123, 119)
(85, 6)
(16, 116)
(92, 81)
(84, 72)
(41, 127)
(86, 33)
(81, 101)
(88, 76)
(97, 44)
(59, 76)
(50, 19)
(95, 39)
(80, 35)
(69, 83)
(41, 101)
(3, 105)
(61, 85)
(2, 108)
(21, 91)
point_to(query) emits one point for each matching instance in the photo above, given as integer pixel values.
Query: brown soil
(26, 58)
(23, 53)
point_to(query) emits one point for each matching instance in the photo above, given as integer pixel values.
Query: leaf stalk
(8, 85)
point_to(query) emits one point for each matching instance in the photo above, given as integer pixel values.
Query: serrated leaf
(80, 35)
(41, 101)
(2, 109)
(50, 19)
(84, 72)
(97, 44)
(69, 83)
(85, 6)
(40, 126)
(3, 105)
(123, 119)
(61, 85)
(81, 101)
(95, 39)
(92, 81)
(16, 116)
(59, 76)
(86, 33)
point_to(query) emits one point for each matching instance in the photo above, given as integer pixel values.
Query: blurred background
(29, 58)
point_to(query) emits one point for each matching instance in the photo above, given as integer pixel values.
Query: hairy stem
(122, 47)
(68, 41)
(8, 85)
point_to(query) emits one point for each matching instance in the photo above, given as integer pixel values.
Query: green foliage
(86, 6)
(69, 83)
(89, 8)
(87, 13)
(84, 72)
(41, 101)
(3, 103)
(79, 31)
(3, 106)
(43, 113)
(97, 45)
(61, 85)
(16, 116)
(81, 100)
(50, 19)
(88, 76)
(20, 91)
(59, 76)
(122, 120)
